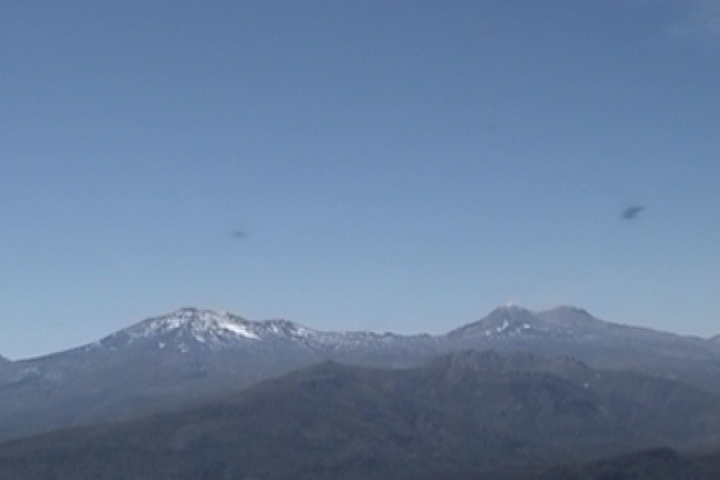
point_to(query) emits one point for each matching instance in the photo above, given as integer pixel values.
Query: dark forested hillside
(466, 413)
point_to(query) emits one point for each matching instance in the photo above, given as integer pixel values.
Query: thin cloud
(701, 20)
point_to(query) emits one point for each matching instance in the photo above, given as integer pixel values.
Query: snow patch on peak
(286, 328)
(504, 326)
(202, 324)
(236, 329)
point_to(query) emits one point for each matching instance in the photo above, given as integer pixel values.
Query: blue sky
(397, 166)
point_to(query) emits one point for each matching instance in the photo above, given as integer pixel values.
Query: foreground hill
(467, 413)
(174, 360)
(655, 464)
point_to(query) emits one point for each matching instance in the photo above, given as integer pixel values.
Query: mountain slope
(170, 360)
(176, 359)
(463, 413)
(574, 332)
(654, 464)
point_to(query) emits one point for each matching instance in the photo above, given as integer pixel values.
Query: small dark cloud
(632, 212)
(238, 233)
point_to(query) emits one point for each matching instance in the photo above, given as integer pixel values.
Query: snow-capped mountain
(206, 330)
(203, 326)
(170, 360)
(574, 332)
(561, 322)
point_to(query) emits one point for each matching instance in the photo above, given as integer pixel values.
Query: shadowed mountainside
(469, 412)
(654, 464)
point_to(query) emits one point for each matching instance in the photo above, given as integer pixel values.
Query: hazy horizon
(451, 328)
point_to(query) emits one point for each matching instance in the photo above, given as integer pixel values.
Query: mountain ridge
(169, 360)
(228, 325)
(464, 412)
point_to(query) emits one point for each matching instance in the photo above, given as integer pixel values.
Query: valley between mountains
(200, 394)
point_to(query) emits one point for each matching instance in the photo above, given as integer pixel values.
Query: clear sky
(396, 166)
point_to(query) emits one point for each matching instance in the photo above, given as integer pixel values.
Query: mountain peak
(514, 320)
(509, 311)
(186, 324)
(199, 321)
(191, 328)
(568, 313)
(502, 320)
